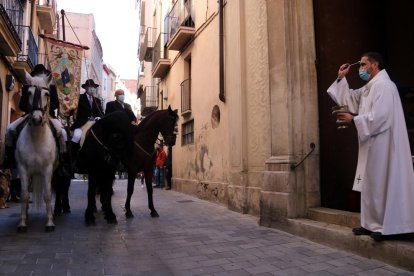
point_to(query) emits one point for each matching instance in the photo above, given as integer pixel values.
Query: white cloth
(384, 175)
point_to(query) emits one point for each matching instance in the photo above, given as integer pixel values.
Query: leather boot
(74, 150)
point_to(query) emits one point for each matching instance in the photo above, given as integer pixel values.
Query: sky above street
(117, 27)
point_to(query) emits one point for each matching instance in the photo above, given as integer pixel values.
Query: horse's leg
(89, 216)
(46, 179)
(24, 180)
(65, 194)
(148, 182)
(130, 191)
(106, 194)
(58, 194)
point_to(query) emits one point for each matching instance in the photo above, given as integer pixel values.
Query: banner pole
(63, 24)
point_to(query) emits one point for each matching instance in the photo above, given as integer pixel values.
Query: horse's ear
(171, 111)
(28, 78)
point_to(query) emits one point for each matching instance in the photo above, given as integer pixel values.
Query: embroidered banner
(65, 61)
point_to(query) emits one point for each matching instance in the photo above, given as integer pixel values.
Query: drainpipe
(221, 52)
(32, 14)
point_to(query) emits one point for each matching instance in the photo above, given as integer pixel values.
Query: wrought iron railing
(185, 95)
(180, 15)
(151, 96)
(30, 50)
(148, 44)
(158, 52)
(12, 13)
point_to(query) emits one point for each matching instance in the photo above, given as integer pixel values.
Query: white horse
(36, 151)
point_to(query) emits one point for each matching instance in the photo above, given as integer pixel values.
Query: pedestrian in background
(160, 166)
(384, 174)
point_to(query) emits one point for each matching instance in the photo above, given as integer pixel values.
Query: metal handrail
(29, 51)
(12, 13)
(180, 15)
(157, 52)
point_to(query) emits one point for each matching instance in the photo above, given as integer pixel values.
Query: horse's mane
(144, 123)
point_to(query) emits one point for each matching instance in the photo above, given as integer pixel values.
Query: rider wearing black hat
(89, 109)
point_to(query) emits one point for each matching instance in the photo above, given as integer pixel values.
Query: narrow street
(191, 237)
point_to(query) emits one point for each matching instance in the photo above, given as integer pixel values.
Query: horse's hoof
(111, 219)
(89, 219)
(129, 214)
(21, 229)
(154, 214)
(50, 228)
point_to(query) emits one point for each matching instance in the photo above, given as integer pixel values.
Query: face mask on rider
(90, 91)
(120, 98)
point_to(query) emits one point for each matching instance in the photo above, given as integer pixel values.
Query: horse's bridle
(37, 105)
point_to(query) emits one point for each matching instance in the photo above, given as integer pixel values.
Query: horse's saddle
(85, 129)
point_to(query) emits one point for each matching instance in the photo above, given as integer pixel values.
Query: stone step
(333, 216)
(398, 252)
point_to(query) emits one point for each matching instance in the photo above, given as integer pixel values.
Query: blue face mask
(120, 98)
(364, 75)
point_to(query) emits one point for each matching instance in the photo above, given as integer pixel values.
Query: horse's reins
(99, 108)
(97, 140)
(141, 148)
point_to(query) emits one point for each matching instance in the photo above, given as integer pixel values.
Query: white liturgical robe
(384, 175)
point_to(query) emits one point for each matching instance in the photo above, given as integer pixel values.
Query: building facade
(21, 48)
(249, 80)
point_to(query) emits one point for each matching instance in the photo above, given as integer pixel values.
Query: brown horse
(143, 156)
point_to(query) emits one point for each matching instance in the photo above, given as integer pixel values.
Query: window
(187, 133)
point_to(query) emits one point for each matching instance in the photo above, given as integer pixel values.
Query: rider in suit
(119, 104)
(89, 109)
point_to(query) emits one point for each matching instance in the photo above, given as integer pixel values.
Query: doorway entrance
(344, 30)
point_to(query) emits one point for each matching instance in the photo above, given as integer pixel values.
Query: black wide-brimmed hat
(39, 69)
(89, 82)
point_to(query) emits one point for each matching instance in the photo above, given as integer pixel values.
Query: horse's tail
(37, 192)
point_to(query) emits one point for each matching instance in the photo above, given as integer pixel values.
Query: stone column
(287, 192)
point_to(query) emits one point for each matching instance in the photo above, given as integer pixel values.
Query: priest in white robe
(384, 175)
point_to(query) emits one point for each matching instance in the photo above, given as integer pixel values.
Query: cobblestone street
(191, 237)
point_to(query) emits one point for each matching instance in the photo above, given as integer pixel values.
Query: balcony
(160, 63)
(180, 25)
(46, 12)
(146, 47)
(28, 57)
(149, 100)
(186, 97)
(11, 17)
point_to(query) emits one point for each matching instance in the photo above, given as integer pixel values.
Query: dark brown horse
(142, 157)
(107, 142)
